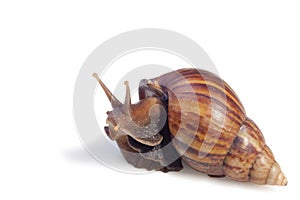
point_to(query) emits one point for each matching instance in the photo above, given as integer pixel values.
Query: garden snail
(191, 115)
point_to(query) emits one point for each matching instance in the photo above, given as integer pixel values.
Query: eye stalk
(127, 104)
(141, 121)
(113, 100)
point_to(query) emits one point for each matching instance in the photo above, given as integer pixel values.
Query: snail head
(141, 121)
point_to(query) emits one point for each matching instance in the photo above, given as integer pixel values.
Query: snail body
(191, 115)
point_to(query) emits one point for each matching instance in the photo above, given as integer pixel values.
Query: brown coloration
(138, 132)
(266, 170)
(133, 157)
(244, 150)
(137, 159)
(113, 100)
(235, 140)
(206, 125)
(135, 120)
(220, 114)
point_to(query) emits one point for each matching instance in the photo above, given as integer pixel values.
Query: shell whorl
(214, 135)
(250, 159)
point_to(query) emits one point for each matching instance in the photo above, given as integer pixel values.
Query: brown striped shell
(238, 148)
(206, 127)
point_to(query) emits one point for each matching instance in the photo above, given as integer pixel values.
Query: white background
(254, 45)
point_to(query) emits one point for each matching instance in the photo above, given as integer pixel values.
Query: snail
(192, 116)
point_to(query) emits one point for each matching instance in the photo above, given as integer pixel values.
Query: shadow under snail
(191, 115)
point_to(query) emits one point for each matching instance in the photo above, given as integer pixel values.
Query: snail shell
(206, 126)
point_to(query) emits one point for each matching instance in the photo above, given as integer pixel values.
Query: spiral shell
(233, 144)
(206, 126)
